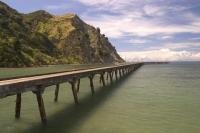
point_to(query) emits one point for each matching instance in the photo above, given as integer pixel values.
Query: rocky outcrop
(40, 38)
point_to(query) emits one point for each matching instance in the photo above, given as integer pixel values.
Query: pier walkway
(38, 84)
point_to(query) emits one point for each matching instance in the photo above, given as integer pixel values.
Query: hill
(40, 38)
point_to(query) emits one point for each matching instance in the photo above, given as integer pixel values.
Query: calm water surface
(154, 99)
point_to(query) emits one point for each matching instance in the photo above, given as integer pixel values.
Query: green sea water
(162, 98)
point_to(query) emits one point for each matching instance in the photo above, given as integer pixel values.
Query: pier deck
(37, 84)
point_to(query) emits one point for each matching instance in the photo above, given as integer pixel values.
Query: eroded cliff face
(41, 38)
(78, 41)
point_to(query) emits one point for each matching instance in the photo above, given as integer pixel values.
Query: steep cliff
(40, 38)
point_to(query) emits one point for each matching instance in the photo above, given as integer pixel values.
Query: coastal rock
(40, 38)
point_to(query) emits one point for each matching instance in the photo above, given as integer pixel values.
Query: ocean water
(162, 98)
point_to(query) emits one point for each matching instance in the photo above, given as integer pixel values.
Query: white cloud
(118, 26)
(160, 55)
(94, 2)
(56, 7)
(113, 4)
(137, 41)
(143, 18)
(195, 38)
(183, 45)
(152, 10)
(176, 46)
(166, 37)
(53, 7)
(132, 18)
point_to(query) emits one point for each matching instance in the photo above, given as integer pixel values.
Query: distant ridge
(40, 38)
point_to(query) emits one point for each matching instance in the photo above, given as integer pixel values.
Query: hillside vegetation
(40, 38)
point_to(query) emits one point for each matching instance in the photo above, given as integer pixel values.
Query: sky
(140, 30)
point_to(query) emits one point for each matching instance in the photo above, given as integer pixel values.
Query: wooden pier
(37, 84)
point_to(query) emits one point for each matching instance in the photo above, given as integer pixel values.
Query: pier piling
(18, 106)
(116, 75)
(91, 83)
(38, 92)
(37, 84)
(74, 91)
(111, 77)
(56, 92)
(78, 85)
(102, 79)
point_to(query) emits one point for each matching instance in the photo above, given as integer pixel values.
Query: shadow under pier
(73, 115)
